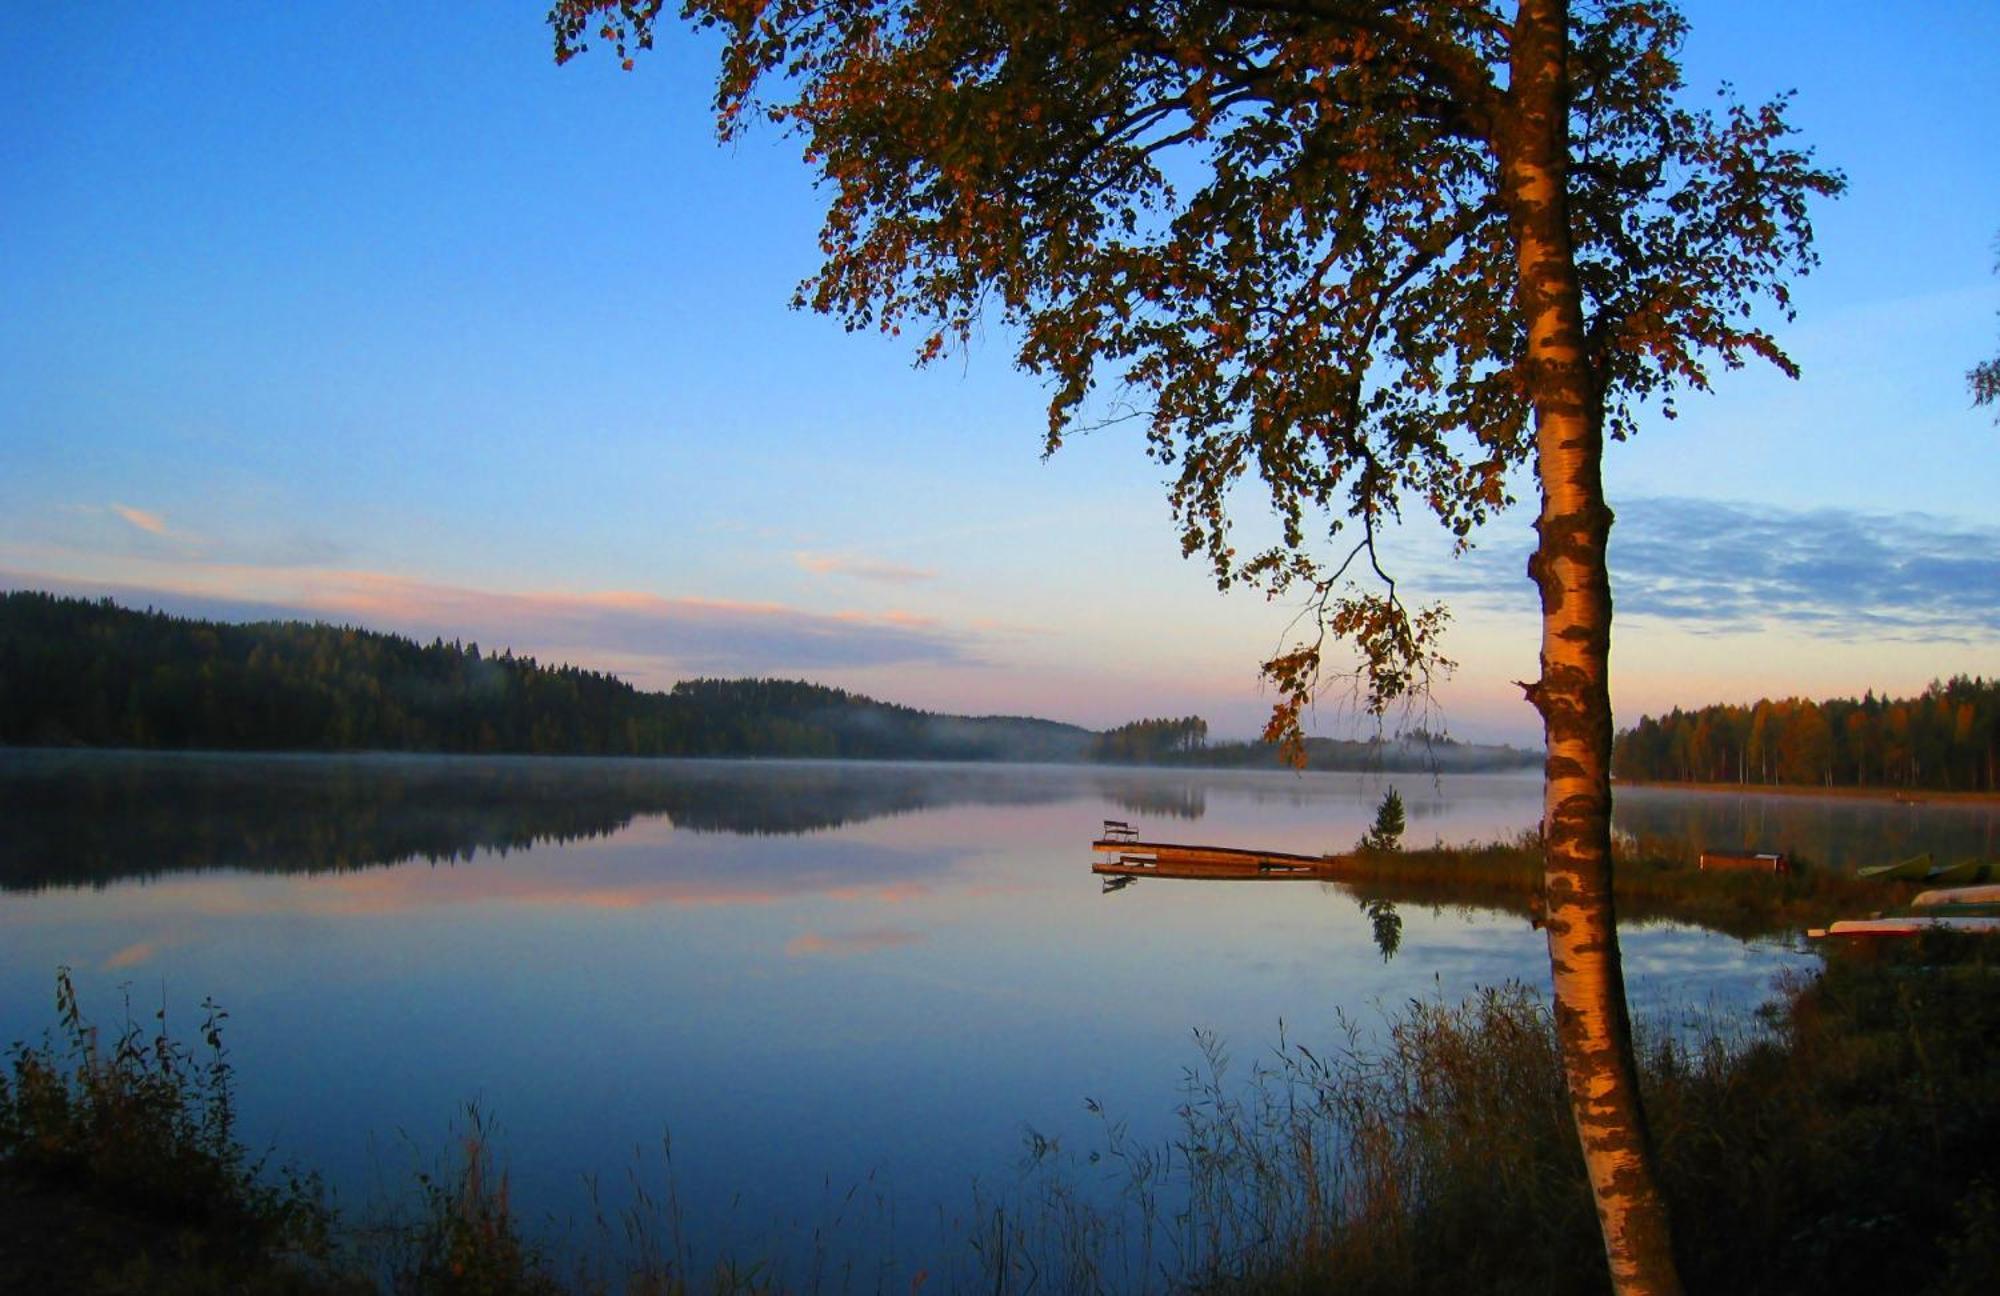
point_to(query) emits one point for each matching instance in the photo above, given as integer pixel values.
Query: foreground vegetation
(1845, 1140)
(120, 1171)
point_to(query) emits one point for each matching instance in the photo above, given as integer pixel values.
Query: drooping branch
(1984, 377)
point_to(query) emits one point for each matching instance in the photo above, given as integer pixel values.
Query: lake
(813, 975)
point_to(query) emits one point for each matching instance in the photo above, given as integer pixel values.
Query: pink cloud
(868, 569)
(895, 893)
(841, 944)
(662, 637)
(151, 523)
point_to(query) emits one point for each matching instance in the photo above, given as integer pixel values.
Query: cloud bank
(1718, 567)
(682, 636)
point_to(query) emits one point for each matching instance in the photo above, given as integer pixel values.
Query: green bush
(126, 1156)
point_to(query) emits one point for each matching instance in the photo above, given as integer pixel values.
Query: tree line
(1947, 738)
(79, 673)
(1145, 741)
(82, 673)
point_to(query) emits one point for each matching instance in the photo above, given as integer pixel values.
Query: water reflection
(1836, 832)
(91, 819)
(95, 818)
(809, 974)
(1385, 924)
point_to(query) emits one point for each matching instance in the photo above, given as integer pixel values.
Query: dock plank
(1181, 860)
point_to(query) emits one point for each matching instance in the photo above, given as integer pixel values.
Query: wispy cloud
(91, 533)
(676, 636)
(868, 569)
(1726, 566)
(700, 634)
(149, 522)
(841, 944)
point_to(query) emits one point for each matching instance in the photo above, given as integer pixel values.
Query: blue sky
(370, 312)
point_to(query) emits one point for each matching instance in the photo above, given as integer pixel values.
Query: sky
(369, 313)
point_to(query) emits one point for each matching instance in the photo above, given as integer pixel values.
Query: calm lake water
(813, 975)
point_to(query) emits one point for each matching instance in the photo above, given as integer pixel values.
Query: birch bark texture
(1376, 257)
(1573, 696)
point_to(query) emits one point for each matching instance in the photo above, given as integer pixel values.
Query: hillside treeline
(1947, 738)
(1145, 741)
(1414, 753)
(79, 673)
(1184, 742)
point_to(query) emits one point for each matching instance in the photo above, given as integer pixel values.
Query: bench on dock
(1119, 830)
(1745, 862)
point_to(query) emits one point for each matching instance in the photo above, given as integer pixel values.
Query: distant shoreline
(1380, 768)
(95, 675)
(1913, 796)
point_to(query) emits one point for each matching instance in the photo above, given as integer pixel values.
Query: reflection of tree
(1834, 832)
(94, 820)
(91, 819)
(1171, 801)
(1385, 925)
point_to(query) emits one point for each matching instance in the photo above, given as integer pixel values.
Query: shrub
(129, 1153)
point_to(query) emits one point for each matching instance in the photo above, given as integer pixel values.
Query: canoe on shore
(1914, 869)
(1910, 925)
(1922, 868)
(1966, 870)
(1952, 896)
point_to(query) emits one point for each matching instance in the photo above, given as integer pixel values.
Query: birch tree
(1370, 255)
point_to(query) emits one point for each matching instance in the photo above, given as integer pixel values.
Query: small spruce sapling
(1386, 835)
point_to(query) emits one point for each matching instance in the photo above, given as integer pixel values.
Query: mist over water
(813, 975)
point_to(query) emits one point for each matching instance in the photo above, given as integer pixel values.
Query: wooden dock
(1135, 858)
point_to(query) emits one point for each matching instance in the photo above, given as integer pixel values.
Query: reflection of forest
(91, 818)
(94, 818)
(1184, 801)
(1840, 833)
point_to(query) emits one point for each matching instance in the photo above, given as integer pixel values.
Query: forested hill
(1184, 741)
(75, 672)
(1947, 738)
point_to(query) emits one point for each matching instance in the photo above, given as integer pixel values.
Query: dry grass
(1846, 1141)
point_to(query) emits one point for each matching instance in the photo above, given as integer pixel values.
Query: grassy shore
(1845, 1144)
